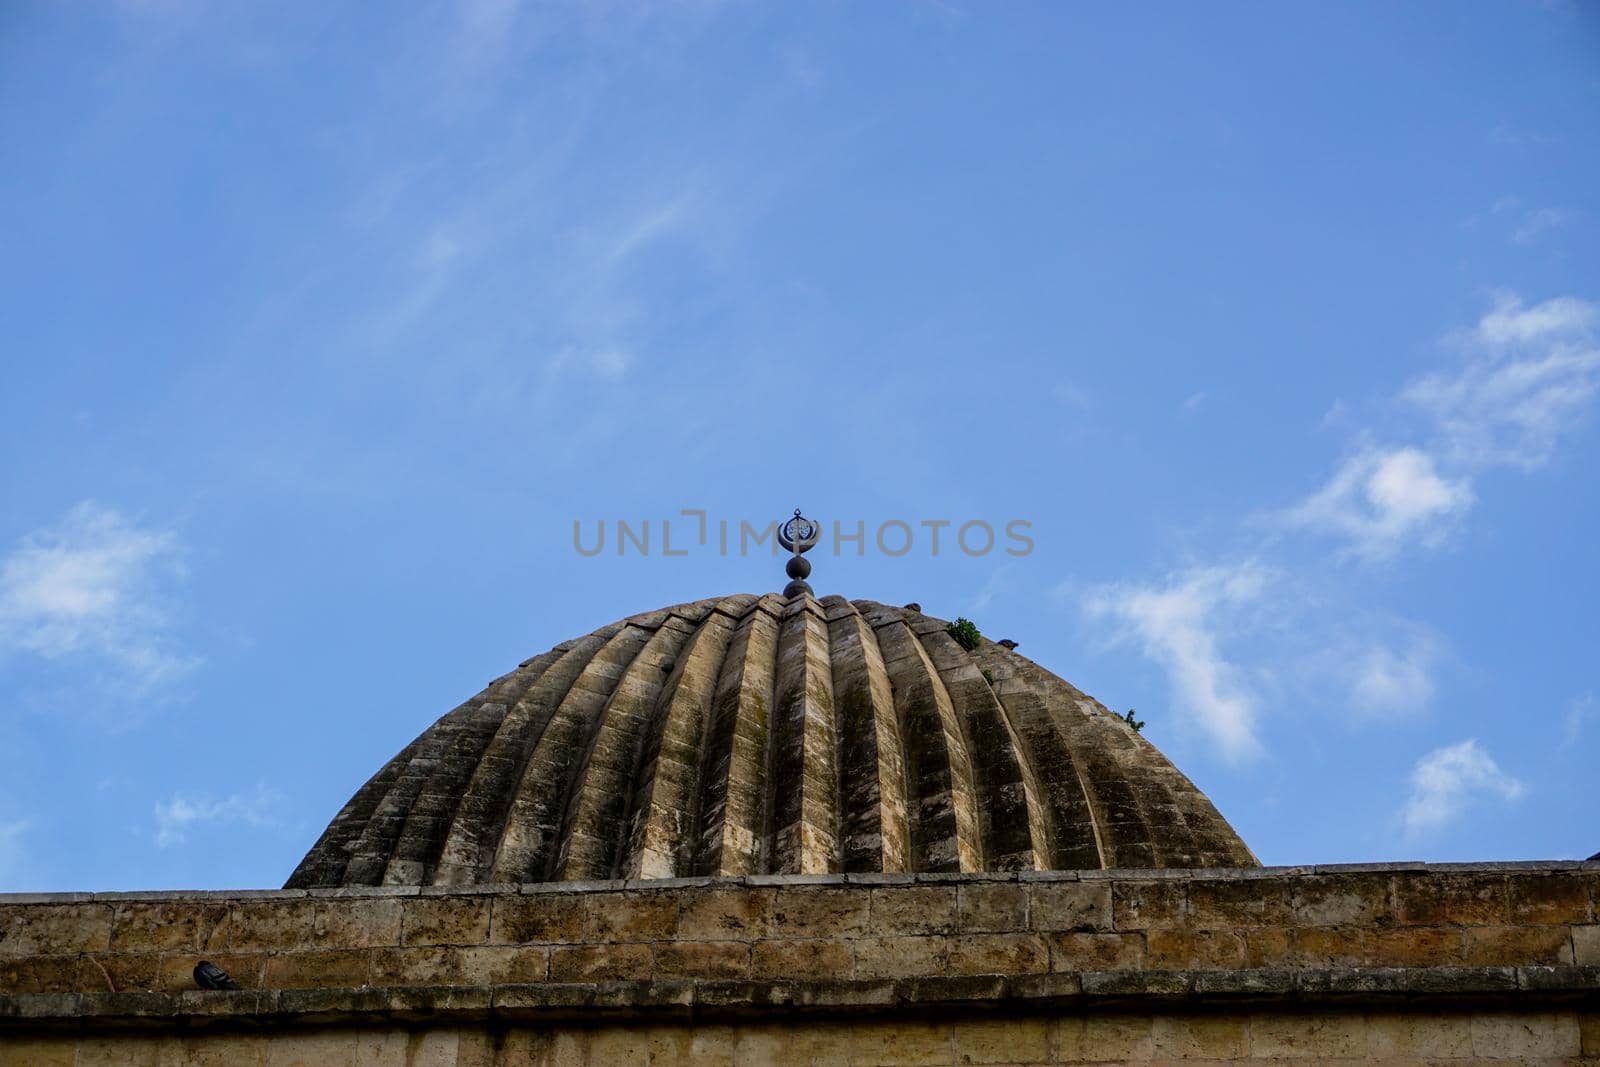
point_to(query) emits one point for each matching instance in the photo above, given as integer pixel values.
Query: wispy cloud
(1447, 780)
(1395, 682)
(1529, 379)
(1536, 223)
(176, 817)
(1580, 712)
(95, 585)
(1177, 623)
(1379, 500)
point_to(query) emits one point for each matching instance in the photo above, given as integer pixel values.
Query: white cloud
(1579, 713)
(1535, 372)
(176, 817)
(1176, 624)
(1535, 223)
(94, 586)
(1530, 379)
(1447, 779)
(611, 364)
(1387, 681)
(1381, 498)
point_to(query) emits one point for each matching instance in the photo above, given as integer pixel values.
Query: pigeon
(208, 975)
(1006, 643)
(914, 606)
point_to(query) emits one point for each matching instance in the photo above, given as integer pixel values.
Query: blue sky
(1280, 325)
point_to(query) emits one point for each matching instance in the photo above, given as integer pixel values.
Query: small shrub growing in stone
(1137, 724)
(965, 632)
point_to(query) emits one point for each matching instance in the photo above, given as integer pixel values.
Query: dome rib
(673, 748)
(874, 831)
(745, 734)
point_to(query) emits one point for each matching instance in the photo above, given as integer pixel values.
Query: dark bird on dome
(1006, 643)
(208, 975)
(913, 606)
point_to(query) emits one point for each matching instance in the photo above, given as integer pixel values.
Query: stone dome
(762, 735)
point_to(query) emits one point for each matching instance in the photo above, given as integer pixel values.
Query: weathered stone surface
(753, 735)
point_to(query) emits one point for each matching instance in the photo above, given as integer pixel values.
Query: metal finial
(799, 534)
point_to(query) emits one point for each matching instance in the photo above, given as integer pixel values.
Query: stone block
(537, 918)
(1003, 1041)
(37, 1052)
(822, 958)
(1191, 1037)
(1416, 946)
(119, 1050)
(335, 968)
(121, 971)
(705, 960)
(600, 963)
(998, 954)
(823, 1044)
(693, 1046)
(1418, 1035)
(315, 1048)
(215, 1050)
(1525, 1036)
(446, 920)
(1589, 1033)
(166, 926)
(1056, 906)
(1467, 899)
(1266, 947)
(357, 922)
(41, 974)
(1586, 945)
(1341, 900)
(1104, 1039)
(381, 1048)
(623, 917)
(504, 964)
(820, 912)
(1322, 946)
(1187, 949)
(1223, 904)
(1552, 899)
(727, 914)
(914, 909)
(996, 907)
(1518, 946)
(417, 965)
(54, 929)
(903, 1044)
(1141, 905)
(613, 1046)
(1070, 952)
(898, 957)
(1320, 1037)
(271, 924)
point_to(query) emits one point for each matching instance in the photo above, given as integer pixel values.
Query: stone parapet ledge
(1521, 932)
(703, 1001)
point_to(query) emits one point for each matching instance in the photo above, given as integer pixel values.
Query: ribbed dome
(752, 734)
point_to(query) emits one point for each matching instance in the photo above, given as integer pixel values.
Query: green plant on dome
(965, 631)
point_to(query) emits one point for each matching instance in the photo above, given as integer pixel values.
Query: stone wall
(1443, 961)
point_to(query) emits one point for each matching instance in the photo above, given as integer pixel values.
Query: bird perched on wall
(914, 606)
(208, 975)
(1006, 643)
